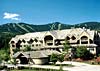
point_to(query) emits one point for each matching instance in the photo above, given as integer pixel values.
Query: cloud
(11, 16)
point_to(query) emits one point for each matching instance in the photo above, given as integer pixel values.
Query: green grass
(24, 70)
(34, 69)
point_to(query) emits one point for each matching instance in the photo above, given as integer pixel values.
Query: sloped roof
(49, 52)
(58, 34)
(37, 54)
(32, 54)
(19, 53)
(54, 33)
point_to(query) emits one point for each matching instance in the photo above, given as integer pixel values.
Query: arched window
(48, 40)
(84, 38)
(12, 42)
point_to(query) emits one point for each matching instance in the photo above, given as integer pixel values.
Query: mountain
(20, 28)
(90, 25)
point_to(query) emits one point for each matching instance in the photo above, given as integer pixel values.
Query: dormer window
(67, 38)
(23, 41)
(30, 41)
(73, 37)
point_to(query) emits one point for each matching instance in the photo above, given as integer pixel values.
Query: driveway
(78, 66)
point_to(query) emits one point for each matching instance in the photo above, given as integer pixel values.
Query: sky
(47, 11)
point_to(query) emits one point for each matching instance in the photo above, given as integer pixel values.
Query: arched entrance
(23, 59)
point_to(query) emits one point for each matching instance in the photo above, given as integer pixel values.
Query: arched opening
(73, 37)
(48, 40)
(23, 59)
(84, 40)
(12, 42)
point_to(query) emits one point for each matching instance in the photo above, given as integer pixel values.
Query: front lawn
(35, 69)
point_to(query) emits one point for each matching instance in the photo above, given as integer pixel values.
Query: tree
(66, 50)
(82, 52)
(28, 48)
(54, 58)
(4, 55)
(61, 57)
(66, 46)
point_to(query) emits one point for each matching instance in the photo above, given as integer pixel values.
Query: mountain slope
(91, 25)
(20, 28)
(26, 28)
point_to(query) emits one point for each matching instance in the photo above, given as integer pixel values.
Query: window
(84, 38)
(91, 49)
(24, 45)
(13, 45)
(32, 45)
(73, 38)
(39, 44)
(12, 42)
(57, 42)
(49, 43)
(48, 40)
(91, 41)
(67, 38)
(23, 41)
(36, 44)
(30, 41)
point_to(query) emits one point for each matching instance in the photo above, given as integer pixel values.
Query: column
(53, 42)
(80, 41)
(88, 41)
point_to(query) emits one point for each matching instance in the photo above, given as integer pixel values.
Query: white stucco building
(53, 40)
